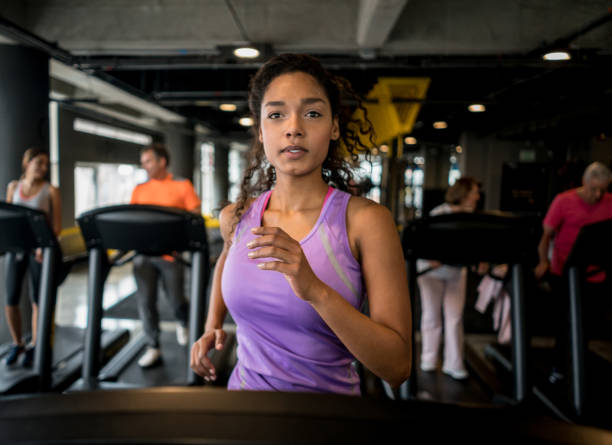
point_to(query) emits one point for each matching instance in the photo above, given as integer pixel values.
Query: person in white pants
(442, 290)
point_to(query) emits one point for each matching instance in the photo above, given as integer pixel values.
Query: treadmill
(149, 230)
(58, 353)
(465, 239)
(591, 249)
(207, 415)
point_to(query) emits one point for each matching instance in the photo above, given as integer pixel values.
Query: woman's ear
(260, 135)
(335, 133)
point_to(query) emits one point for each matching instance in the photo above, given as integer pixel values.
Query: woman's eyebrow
(305, 101)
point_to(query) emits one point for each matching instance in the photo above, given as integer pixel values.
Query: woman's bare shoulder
(364, 210)
(228, 219)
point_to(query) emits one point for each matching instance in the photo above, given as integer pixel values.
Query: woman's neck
(298, 194)
(31, 182)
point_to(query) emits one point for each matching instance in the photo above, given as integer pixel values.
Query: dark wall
(24, 107)
(76, 147)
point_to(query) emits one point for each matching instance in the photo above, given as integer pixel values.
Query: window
(413, 185)
(236, 164)
(453, 172)
(207, 172)
(99, 184)
(373, 172)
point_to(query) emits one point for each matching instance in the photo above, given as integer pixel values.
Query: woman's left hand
(273, 242)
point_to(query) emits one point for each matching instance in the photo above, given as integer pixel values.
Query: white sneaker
(150, 358)
(457, 374)
(428, 366)
(182, 335)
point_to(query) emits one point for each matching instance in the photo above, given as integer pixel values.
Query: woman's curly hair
(259, 176)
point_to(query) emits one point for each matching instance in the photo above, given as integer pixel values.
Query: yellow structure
(393, 105)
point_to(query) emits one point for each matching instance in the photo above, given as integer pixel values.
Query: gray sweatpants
(147, 270)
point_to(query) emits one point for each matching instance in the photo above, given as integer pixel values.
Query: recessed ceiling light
(440, 125)
(410, 140)
(227, 107)
(557, 55)
(246, 121)
(246, 52)
(477, 108)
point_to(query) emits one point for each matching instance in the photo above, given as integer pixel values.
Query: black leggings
(16, 265)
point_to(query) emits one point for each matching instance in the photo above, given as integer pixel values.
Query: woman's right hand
(200, 363)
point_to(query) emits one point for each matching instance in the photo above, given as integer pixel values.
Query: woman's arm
(56, 206)
(382, 342)
(543, 246)
(10, 191)
(214, 336)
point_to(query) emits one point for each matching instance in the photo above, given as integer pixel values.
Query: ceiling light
(557, 55)
(227, 107)
(440, 125)
(246, 121)
(246, 52)
(410, 140)
(477, 108)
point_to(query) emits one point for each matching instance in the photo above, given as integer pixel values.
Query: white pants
(448, 296)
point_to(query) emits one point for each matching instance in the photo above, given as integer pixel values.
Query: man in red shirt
(164, 190)
(568, 213)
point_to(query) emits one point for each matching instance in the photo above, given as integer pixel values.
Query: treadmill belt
(172, 370)
(127, 308)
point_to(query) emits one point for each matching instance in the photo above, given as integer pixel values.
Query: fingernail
(251, 254)
(261, 265)
(250, 244)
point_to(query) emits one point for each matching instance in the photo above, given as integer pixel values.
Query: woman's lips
(294, 151)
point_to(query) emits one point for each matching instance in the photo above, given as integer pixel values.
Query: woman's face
(472, 198)
(296, 124)
(37, 167)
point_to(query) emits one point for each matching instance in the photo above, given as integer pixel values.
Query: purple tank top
(283, 343)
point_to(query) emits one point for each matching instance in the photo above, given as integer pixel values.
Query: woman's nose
(294, 128)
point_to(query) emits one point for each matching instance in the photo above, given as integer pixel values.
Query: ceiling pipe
(564, 42)
(25, 37)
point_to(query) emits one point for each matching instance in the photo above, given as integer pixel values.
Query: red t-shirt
(567, 214)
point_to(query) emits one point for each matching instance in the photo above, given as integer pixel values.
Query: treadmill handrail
(29, 229)
(468, 238)
(156, 230)
(598, 234)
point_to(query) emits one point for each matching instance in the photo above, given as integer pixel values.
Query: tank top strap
(335, 211)
(252, 216)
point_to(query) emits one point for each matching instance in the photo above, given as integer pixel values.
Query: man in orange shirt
(164, 190)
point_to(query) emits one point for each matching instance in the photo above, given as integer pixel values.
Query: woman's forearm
(217, 310)
(379, 348)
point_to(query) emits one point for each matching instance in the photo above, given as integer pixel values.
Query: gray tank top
(40, 201)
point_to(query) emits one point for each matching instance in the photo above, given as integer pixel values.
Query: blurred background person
(31, 190)
(442, 290)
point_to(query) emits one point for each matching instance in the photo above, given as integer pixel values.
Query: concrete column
(24, 107)
(221, 180)
(180, 142)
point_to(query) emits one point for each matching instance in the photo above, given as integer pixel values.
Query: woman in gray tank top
(31, 190)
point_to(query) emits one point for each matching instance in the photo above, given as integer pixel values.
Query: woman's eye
(313, 114)
(274, 115)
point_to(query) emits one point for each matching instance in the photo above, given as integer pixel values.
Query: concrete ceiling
(178, 52)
